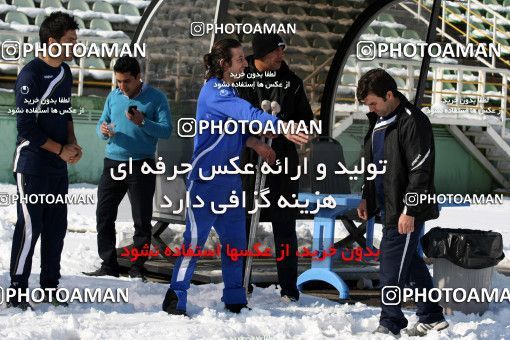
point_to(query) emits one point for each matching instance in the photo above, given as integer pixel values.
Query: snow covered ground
(311, 318)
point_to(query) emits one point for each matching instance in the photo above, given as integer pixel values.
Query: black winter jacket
(409, 150)
(294, 106)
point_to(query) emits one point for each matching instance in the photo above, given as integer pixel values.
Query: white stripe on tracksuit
(193, 224)
(18, 152)
(27, 243)
(49, 90)
(403, 257)
(27, 229)
(194, 237)
(385, 122)
(46, 94)
(422, 160)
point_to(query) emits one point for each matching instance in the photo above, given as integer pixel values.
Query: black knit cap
(263, 44)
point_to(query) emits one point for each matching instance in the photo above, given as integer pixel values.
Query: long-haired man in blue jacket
(218, 102)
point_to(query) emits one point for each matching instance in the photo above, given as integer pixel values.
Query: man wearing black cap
(267, 60)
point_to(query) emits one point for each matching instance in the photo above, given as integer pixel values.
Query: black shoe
(23, 305)
(103, 272)
(55, 298)
(250, 290)
(170, 303)
(236, 307)
(19, 302)
(137, 273)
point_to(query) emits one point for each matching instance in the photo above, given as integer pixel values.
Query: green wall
(88, 169)
(456, 170)
(8, 133)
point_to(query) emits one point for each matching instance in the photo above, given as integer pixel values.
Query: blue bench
(324, 234)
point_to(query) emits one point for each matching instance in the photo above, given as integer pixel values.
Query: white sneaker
(421, 329)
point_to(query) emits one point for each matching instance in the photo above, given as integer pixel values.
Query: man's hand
(269, 135)
(262, 149)
(362, 210)
(299, 138)
(105, 130)
(77, 157)
(266, 152)
(405, 224)
(137, 117)
(71, 153)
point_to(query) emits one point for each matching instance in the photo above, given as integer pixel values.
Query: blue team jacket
(219, 103)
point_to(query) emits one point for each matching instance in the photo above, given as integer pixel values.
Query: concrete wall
(88, 169)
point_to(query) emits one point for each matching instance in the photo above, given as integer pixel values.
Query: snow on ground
(311, 318)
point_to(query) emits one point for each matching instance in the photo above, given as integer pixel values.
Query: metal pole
(468, 20)
(443, 19)
(494, 38)
(254, 222)
(260, 182)
(431, 35)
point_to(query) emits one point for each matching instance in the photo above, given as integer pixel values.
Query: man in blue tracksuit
(135, 116)
(45, 144)
(218, 101)
(401, 135)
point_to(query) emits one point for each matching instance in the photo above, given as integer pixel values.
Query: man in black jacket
(399, 138)
(267, 61)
